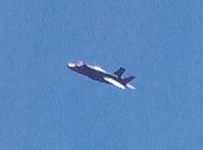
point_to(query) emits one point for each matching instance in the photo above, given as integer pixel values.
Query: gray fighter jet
(99, 74)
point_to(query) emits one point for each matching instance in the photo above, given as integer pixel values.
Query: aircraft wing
(119, 72)
(114, 82)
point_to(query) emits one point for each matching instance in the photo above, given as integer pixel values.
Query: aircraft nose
(70, 65)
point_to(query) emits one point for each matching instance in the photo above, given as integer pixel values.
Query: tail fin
(129, 79)
(119, 72)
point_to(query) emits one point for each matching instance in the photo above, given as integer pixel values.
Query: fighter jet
(99, 74)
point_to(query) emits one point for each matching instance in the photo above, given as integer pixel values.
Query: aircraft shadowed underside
(98, 74)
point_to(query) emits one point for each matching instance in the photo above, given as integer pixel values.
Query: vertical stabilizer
(119, 72)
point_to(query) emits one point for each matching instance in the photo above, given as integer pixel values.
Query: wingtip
(130, 86)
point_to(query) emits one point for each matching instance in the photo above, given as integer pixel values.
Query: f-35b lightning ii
(99, 74)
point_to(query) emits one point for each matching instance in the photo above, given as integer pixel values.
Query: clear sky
(44, 105)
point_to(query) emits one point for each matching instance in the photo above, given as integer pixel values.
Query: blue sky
(43, 105)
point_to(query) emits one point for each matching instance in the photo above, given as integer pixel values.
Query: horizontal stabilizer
(129, 79)
(119, 72)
